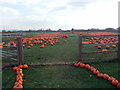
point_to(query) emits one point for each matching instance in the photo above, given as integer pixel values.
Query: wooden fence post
(119, 43)
(80, 47)
(20, 51)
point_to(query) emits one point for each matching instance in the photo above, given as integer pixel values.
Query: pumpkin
(16, 83)
(111, 79)
(51, 43)
(18, 86)
(115, 82)
(25, 66)
(15, 68)
(20, 66)
(107, 46)
(23, 46)
(19, 72)
(118, 85)
(11, 43)
(42, 46)
(104, 50)
(114, 46)
(45, 43)
(35, 42)
(92, 69)
(21, 75)
(87, 66)
(82, 65)
(3, 43)
(19, 79)
(76, 64)
(99, 47)
(29, 47)
(95, 72)
(20, 82)
(105, 76)
(100, 75)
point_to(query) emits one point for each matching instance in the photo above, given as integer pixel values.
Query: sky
(58, 14)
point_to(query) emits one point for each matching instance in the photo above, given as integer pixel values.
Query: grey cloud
(81, 3)
(78, 4)
(60, 8)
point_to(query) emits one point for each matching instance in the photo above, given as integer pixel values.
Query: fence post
(80, 47)
(20, 51)
(119, 43)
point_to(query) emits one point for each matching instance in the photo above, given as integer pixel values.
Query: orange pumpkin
(45, 43)
(95, 72)
(11, 43)
(82, 65)
(42, 46)
(107, 46)
(16, 83)
(114, 46)
(20, 66)
(105, 76)
(18, 86)
(92, 69)
(76, 64)
(100, 75)
(87, 66)
(115, 82)
(15, 68)
(118, 85)
(111, 79)
(23, 46)
(20, 82)
(21, 75)
(104, 50)
(99, 47)
(25, 66)
(29, 47)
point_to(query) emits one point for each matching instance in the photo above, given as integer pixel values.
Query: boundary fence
(81, 53)
(18, 47)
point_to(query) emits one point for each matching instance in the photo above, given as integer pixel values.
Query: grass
(63, 77)
(61, 52)
(60, 76)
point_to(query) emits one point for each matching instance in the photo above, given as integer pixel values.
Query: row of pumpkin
(96, 40)
(97, 33)
(99, 74)
(44, 39)
(19, 75)
(41, 39)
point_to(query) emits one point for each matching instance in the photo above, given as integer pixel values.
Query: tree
(59, 30)
(72, 30)
(3, 31)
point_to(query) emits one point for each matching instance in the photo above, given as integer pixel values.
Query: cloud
(8, 1)
(102, 14)
(64, 14)
(39, 11)
(20, 2)
(28, 2)
(8, 11)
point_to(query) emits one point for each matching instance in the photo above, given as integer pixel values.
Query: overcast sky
(56, 14)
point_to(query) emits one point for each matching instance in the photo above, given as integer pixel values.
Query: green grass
(60, 52)
(61, 76)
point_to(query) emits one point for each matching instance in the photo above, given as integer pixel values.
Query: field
(60, 76)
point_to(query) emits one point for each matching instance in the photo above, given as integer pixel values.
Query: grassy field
(61, 76)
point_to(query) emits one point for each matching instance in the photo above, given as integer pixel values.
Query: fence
(81, 53)
(18, 49)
